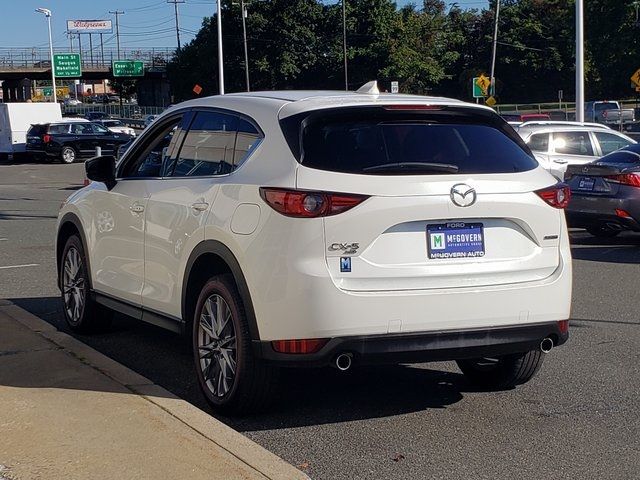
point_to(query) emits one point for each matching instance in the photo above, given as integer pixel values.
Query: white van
(17, 118)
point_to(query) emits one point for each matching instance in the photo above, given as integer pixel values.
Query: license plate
(586, 184)
(455, 240)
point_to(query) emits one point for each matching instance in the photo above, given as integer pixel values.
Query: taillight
(306, 204)
(557, 195)
(310, 345)
(412, 107)
(631, 179)
(563, 326)
(46, 138)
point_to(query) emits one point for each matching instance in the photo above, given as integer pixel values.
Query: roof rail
(563, 122)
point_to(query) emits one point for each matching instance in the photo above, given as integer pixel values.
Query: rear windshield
(601, 107)
(411, 146)
(37, 130)
(630, 154)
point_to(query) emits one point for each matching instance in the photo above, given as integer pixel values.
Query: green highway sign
(128, 68)
(47, 91)
(67, 65)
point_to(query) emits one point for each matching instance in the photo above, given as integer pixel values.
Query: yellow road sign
(491, 101)
(635, 78)
(484, 83)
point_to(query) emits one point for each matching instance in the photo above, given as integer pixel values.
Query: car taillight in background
(46, 138)
(631, 179)
(557, 195)
(306, 204)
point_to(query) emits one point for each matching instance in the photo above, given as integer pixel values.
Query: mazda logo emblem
(463, 195)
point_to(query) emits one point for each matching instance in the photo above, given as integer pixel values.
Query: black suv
(68, 141)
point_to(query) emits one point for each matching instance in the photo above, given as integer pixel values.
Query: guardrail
(128, 111)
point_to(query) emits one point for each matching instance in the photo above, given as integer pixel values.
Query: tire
(83, 315)
(603, 232)
(231, 378)
(502, 372)
(68, 154)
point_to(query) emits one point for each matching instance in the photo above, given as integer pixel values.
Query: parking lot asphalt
(577, 419)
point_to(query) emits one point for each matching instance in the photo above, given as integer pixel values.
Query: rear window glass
(627, 155)
(37, 130)
(411, 148)
(601, 107)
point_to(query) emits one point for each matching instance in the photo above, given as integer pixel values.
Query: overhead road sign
(89, 26)
(67, 65)
(128, 68)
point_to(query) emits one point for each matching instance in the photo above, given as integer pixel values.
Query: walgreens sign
(89, 26)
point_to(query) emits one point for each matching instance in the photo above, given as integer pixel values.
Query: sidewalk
(69, 412)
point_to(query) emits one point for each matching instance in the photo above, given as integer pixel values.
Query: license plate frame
(453, 240)
(586, 184)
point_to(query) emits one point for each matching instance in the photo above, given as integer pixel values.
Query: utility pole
(117, 13)
(492, 87)
(579, 60)
(175, 8)
(220, 62)
(70, 37)
(344, 45)
(243, 9)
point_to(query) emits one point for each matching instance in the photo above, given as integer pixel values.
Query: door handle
(137, 208)
(200, 206)
(561, 162)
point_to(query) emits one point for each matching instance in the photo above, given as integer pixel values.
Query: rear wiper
(431, 167)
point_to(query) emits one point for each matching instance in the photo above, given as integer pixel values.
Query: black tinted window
(397, 147)
(539, 142)
(208, 146)
(59, 129)
(610, 142)
(622, 156)
(37, 130)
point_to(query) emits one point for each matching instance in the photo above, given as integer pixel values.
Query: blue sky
(145, 23)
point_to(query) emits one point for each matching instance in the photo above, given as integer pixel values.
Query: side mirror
(102, 169)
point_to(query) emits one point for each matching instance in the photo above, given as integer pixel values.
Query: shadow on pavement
(624, 248)
(307, 396)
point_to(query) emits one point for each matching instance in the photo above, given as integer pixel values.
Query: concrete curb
(245, 450)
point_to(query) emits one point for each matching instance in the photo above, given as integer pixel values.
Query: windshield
(411, 148)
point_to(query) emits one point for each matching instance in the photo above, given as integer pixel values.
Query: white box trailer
(17, 118)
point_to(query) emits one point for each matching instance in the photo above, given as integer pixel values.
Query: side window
(610, 142)
(539, 142)
(247, 139)
(208, 146)
(60, 129)
(151, 158)
(97, 128)
(573, 143)
(81, 129)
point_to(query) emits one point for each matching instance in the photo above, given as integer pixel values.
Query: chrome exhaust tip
(546, 345)
(344, 361)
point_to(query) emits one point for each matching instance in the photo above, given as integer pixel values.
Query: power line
(175, 7)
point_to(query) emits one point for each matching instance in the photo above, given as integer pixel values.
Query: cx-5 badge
(348, 248)
(463, 195)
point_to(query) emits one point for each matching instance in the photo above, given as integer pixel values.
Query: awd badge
(345, 264)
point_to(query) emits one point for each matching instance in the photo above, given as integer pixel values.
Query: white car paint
(293, 277)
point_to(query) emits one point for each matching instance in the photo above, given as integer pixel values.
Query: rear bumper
(593, 211)
(423, 347)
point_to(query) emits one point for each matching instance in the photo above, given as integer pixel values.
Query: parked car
(608, 112)
(117, 126)
(72, 102)
(314, 229)
(519, 118)
(558, 145)
(96, 115)
(606, 193)
(68, 141)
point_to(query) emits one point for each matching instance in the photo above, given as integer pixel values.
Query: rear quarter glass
(372, 141)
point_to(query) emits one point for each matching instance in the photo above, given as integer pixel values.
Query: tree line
(432, 48)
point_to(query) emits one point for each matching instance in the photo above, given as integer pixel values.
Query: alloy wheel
(217, 347)
(68, 155)
(73, 283)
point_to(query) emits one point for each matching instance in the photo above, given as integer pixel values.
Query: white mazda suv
(324, 228)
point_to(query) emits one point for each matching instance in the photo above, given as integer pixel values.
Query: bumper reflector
(563, 326)
(309, 345)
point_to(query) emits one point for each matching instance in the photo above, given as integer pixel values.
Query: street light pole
(344, 45)
(492, 87)
(580, 60)
(47, 13)
(243, 8)
(220, 63)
